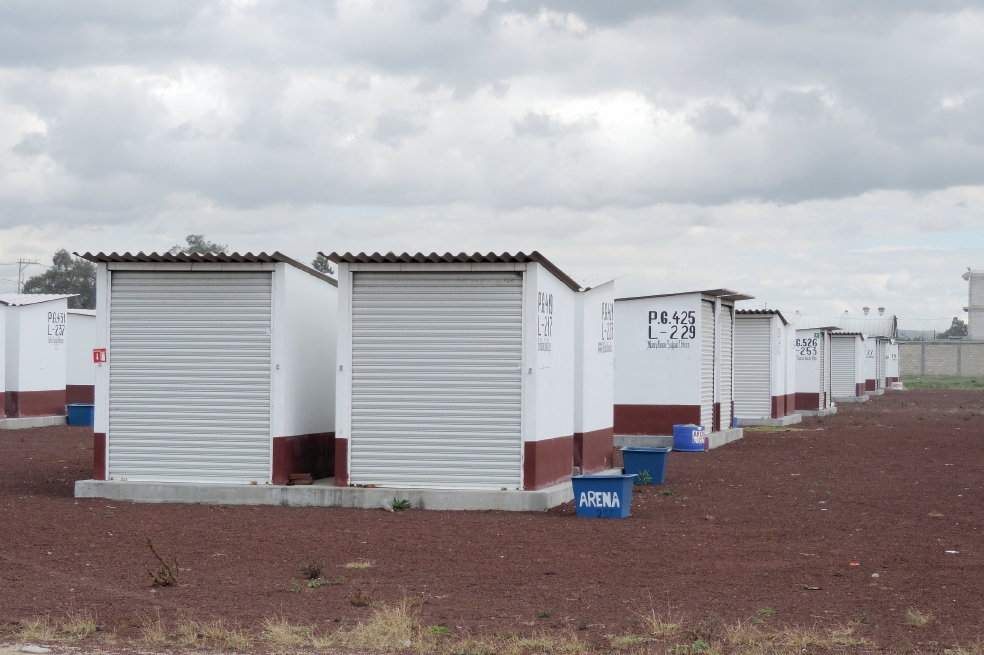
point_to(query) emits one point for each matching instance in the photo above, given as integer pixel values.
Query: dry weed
(389, 628)
(957, 649)
(166, 575)
(660, 627)
(359, 565)
(515, 645)
(916, 618)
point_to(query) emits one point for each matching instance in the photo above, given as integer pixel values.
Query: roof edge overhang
(723, 294)
(460, 258)
(26, 299)
(763, 312)
(205, 258)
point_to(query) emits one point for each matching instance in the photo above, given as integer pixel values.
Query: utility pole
(22, 264)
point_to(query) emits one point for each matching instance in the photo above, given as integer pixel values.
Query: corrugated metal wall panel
(437, 380)
(727, 363)
(753, 368)
(189, 384)
(842, 366)
(706, 364)
(880, 363)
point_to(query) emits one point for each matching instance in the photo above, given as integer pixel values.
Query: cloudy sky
(818, 155)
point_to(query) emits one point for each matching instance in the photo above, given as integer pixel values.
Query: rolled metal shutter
(437, 380)
(727, 364)
(842, 366)
(706, 364)
(753, 367)
(189, 382)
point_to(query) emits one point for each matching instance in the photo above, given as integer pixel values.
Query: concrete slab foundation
(819, 413)
(877, 392)
(792, 419)
(714, 439)
(852, 399)
(31, 422)
(324, 493)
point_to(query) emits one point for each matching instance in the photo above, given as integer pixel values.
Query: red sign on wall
(98, 355)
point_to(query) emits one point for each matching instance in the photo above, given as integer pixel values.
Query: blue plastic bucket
(651, 460)
(689, 438)
(603, 496)
(81, 413)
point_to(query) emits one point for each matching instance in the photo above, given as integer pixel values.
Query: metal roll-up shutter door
(706, 364)
(437, 380)
(753, 368)
(727, 363)
(189, 383)
(842, 366)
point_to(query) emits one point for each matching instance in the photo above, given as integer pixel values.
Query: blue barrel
(81, 413)
(689, 437)
(651, 460)
(603, 496)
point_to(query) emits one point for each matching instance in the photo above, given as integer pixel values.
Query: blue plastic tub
(651, 460)
(603, 496)
(689, 438)
(81, 413)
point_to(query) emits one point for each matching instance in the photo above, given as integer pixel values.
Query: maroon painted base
(80, 393)
(35, 403)
(593, 451)
(341, 462)
(303, 453)
(98, 455)
(547, 462)
(653, 420)
(859, 389)
(808, 401)
(871, 385)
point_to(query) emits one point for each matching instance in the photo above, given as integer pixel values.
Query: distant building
(975, 305)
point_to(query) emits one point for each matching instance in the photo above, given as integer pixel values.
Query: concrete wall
(962, 358)
(80, 340)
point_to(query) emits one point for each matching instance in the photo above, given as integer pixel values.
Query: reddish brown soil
(756, 524)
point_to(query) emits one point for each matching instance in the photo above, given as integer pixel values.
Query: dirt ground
(771, 523)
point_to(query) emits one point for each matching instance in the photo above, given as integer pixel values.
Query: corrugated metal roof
(83, 312)
(12, 299)
(775, 312)
(883, 326)
(589, 282)
(723, 294)
(211, 257)
(460, 258)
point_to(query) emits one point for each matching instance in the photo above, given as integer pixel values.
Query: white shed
(35, 354)
(765, 368)
(814, 395)
(674, 362)
(847, 367)
(872, 387)
(891, 363)
(594, 375)
(455, 371)
(216, 368)
(80, 341)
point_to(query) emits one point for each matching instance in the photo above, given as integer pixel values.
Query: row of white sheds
(789, 365)
(45, 355)
(429, 371)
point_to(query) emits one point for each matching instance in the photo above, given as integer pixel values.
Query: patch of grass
(152, 631)
(629, 640)
(390, 627)
(78, 625)
(280, 634)
(212, 635)
(360, 598)
(765, 611)
(658, 626)
(543, 614)
(39, 630)
(439, 630)
(312, 570)
(916, 618)
(667, 492)
(361, 564)
(320, 582)
(942, 382)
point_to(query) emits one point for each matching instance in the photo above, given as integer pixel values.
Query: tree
(957, 329)
(68, 274)
(323, 265)
(198, 245)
